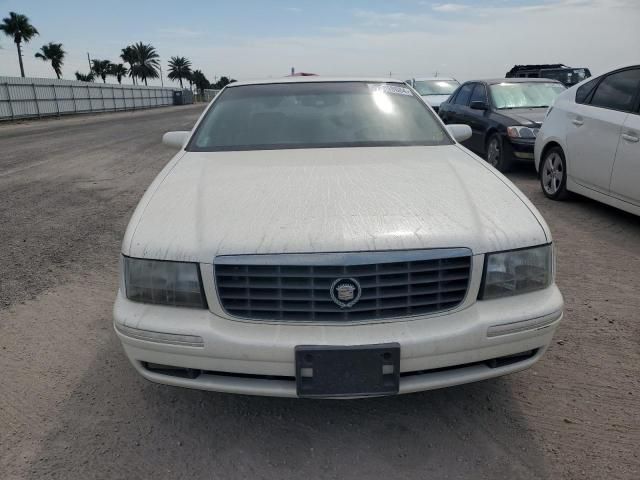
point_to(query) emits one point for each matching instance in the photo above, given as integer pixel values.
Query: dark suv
(557, 71)
(504, 116)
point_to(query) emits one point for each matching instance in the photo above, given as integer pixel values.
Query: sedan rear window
(525, 95)
(317, 115)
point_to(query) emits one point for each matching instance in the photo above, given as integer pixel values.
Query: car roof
(434, 78)
(494, 81)
(314, 79)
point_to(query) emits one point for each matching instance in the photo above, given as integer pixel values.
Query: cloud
(449, 7)
(293, 9)
(556, 4)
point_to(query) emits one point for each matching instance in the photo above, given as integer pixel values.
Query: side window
(617, 91)
(585, 90)
(464, 94)
(479, 94)
(454, 95)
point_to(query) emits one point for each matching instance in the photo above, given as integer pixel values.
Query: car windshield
(435, 87)
(525, 95)
(317, 115)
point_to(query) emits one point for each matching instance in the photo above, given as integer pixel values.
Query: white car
(330, 238)
(434, 90)
(589, 142)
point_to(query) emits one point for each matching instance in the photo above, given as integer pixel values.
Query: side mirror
(479, 106)
(459, 132)
(175, 139)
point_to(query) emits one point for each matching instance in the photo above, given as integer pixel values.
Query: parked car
(569, 76)
(330, 238)
(434, 90)
(590, 141)
(504, 116)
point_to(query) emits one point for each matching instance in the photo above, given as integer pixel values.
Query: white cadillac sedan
(331, 238)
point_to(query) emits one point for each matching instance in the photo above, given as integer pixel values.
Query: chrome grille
(296, 287)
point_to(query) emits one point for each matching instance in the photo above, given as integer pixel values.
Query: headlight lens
(522, 132)
(163, 282)
(517, 271)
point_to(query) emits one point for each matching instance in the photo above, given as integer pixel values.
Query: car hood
(327, 200)
(435, 100)
(529, 117)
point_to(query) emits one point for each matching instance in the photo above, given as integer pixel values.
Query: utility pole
(161, 81)
(89, 60)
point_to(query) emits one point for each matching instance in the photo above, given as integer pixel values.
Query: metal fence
(40, 97)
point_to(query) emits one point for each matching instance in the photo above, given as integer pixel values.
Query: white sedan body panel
(435, 100)
(592, 140)
(625, 179)
(329, 200)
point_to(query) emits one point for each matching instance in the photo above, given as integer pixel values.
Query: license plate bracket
(345, 371)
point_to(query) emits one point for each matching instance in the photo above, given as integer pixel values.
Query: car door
(595, 128)
(625, 179)
(454, 111)
(477, 119)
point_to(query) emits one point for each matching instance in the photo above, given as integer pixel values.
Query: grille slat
(230, 270)
(390, 289)
(365, 282)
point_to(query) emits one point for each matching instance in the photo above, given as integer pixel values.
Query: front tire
(496, 155)
(553, 174)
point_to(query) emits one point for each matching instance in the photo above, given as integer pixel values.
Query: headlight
(522, 132)
(517, 271)
(163, 282)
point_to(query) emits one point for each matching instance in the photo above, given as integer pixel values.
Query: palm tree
(81, 77)
(128, 56)
(223, 82)
(146, 61)
(53, 52)
(179, 68)
(118, 70)
(200, 80)
(101, 68)
(18, 27)
(189, 78)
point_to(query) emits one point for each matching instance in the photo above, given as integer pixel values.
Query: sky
(248, 39)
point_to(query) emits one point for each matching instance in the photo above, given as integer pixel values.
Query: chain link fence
(41, 97)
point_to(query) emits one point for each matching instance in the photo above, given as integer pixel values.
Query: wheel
(553, 174)
(496, 155)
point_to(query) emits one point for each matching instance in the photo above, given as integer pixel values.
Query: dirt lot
(72, 407)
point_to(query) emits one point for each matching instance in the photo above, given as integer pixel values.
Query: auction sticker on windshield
(392, 89)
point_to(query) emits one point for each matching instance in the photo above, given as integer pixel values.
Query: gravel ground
(72, 407)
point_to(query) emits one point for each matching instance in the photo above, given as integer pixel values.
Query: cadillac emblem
(345, 292)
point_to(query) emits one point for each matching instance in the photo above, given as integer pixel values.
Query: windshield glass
(568, 76)
(435, 87)
(317, 115)
(525, 95)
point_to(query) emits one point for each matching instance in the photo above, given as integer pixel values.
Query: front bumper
(257, 358)
(522, 149)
